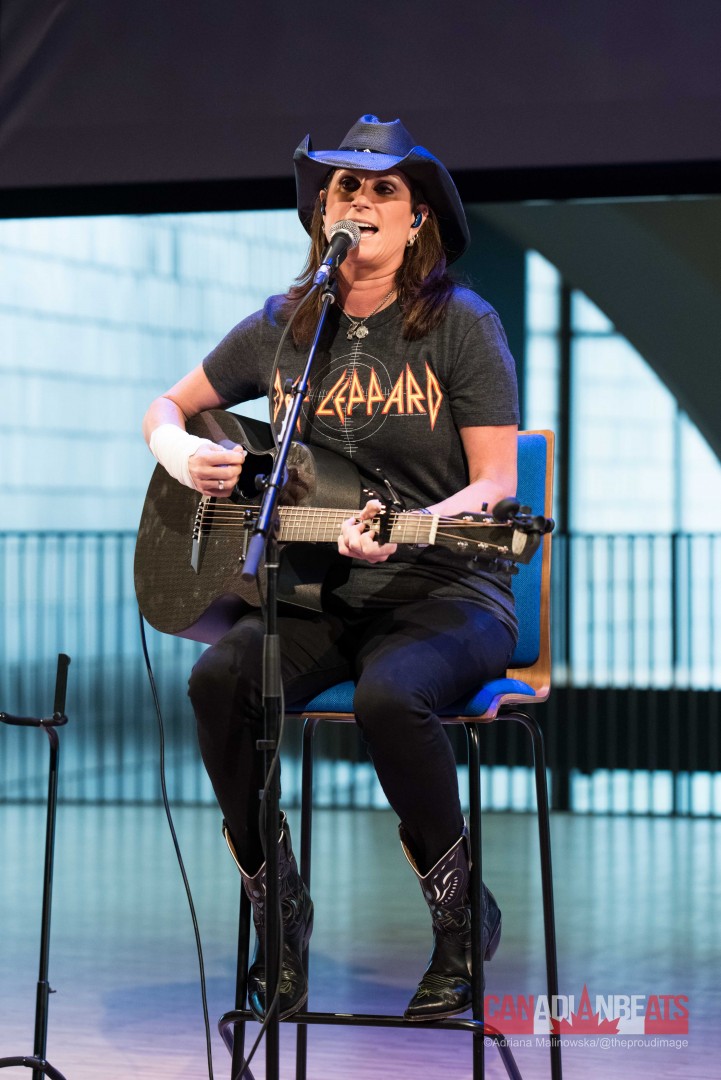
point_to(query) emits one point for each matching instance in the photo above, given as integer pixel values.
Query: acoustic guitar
(191, 547)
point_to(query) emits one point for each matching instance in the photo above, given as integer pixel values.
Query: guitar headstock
(476, 535)
(511, 512)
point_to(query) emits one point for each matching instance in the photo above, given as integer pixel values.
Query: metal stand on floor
(37, 1062)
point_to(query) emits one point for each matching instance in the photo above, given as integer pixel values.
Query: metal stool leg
(544, 838)
(237, 1035)
(306, 834)
(474, 822)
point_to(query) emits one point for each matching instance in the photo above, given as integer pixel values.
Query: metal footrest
(477, 1028)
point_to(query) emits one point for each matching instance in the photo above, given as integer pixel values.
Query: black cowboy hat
(380, 147)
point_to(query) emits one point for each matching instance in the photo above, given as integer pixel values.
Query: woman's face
(381, 205)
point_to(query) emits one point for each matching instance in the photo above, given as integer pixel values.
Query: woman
(413, 377)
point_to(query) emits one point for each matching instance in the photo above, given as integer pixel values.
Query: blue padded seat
(339, 698)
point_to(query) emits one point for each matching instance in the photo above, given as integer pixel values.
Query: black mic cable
(176, 845)
(273, 1005)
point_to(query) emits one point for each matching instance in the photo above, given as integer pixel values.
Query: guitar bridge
(195, 550)
(249, 519)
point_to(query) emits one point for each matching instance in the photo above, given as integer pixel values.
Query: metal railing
(637, 668)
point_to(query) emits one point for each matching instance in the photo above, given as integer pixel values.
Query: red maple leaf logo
(585, 1021)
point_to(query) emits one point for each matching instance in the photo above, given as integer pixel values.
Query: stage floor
(637, 908)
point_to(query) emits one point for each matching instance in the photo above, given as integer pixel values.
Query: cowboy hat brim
(418, 164)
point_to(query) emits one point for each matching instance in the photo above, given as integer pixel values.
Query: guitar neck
(319, 525)
(467, 534)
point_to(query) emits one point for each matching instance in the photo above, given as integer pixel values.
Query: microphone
(344, 235)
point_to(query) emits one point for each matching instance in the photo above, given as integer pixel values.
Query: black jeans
(408, 662)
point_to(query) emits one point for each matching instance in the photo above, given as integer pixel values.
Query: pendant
(357, 330)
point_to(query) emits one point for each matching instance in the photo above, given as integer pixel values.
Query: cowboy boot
(445, 988)
(297, 914)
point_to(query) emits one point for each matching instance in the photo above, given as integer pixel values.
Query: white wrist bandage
(173, 447)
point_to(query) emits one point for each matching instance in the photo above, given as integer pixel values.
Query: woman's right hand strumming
(214, 469)
(198, 463)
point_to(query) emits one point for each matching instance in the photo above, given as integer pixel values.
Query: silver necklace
(357, 328)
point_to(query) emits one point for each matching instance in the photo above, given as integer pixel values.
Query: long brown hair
(422, 281)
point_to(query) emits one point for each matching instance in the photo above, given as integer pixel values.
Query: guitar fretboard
(317, 525)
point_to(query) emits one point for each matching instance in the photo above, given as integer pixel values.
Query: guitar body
(189, 556)
(204, 605)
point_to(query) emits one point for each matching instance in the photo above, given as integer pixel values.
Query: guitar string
(447, 537)
(228, 513)
(332, 520)
(236, 509)
(408, 531)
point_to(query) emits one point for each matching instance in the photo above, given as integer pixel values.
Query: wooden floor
(637, 905)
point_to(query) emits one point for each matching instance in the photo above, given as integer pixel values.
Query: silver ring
(221, 485)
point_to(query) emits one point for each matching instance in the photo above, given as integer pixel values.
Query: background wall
(652, 266)
(104, 313)
(98, 316)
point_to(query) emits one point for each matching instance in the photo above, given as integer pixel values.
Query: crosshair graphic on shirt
(358, 394)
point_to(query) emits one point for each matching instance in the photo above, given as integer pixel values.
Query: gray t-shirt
(394, 405)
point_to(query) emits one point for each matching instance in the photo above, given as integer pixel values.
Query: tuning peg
(506, 509)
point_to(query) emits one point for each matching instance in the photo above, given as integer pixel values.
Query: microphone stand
(40, 1066)
(263, 542)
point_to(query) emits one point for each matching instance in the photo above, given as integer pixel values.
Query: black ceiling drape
(132, 92)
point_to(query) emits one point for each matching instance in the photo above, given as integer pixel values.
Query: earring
(411, 240)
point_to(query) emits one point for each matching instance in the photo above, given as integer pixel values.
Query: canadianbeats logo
(358, 395)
